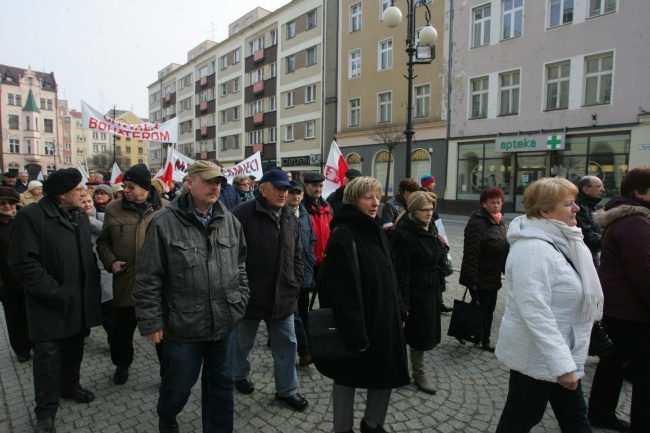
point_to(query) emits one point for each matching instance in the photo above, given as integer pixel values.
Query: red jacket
(321, 215)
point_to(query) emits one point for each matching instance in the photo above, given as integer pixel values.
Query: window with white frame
(310, 129)
(509, 92)
(355, 17)
(290, 102)
(481, 17)
(422, 100)
(291, 63)
(385, 55)
(561, 12)
(311, 56)
(291, 29)
(288, 133)
(513, 13)
(10, 98)
(273, 103)
(255, 137)
(235, 85)
(479, 97)
(557, 86)
(355, 63)
(257, 44)
(224, 62)
(383, 5)
(236, 55)
(311, 19)
(274, 37)
(256, 76)
(273, 68)
(354, 111)
(224, 116)
(600, 7)
(224, 89)
(235, 113)
(235, 141)
(273, 135)
(203, 72)
(224, 143)
(598, 79)
(384, 107)
(310, 94)
(14, 145)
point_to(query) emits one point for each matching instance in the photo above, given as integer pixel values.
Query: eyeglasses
(428, 210)
(597, 186)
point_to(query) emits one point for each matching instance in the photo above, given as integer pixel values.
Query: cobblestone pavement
(472, 387)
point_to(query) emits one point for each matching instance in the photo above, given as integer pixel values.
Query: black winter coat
(417, 253)
(366, 304)
(274, 259)
(590, 231)
(484, 253)
(58, 269)
(229, 196)
(335, 200)
(9, 284)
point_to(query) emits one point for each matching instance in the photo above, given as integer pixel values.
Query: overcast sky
(107, 53)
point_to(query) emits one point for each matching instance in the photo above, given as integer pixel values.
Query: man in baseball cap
(50, 243)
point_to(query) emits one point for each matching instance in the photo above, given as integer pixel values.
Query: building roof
(12, 75)
(30, 104)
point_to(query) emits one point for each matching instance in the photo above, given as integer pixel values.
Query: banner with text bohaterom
(180, 163)
(93, 120)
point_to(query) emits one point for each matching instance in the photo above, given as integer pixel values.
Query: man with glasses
(120, 247)
(51, 254)
(590, 190)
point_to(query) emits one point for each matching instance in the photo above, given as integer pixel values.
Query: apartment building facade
(373, 93)
(29, 121)
(258, 90)
(540, 89)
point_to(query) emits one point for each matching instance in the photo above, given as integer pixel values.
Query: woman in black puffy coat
(418, 251)
(484, 256)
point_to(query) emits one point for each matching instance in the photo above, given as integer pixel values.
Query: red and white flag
(116, 174)
(335, 169)
(167, 175)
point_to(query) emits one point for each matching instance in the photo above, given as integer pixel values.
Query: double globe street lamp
(420, 48)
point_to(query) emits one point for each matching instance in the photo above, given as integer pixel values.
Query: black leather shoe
(445, 309)
(488, 347)
(461, 341)
(23, 357)
(45, 425)
(610, 421)
(121, 376)
(245, 386)
(167, 426)
(366, 429)
(79, 395)
(295, 401)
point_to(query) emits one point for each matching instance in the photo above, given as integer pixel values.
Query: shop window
(354, 161)
(420, 163)
(380, 170)
(480, 166)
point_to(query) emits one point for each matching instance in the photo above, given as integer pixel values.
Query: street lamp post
(422, 52)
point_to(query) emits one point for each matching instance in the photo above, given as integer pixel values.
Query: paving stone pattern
(472, 387)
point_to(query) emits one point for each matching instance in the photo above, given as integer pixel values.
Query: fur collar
(606, 218)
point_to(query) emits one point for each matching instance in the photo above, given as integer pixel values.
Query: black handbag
(467, 320)
(444, 264)
(326, 341)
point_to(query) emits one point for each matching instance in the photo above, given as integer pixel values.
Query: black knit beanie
(140, 175)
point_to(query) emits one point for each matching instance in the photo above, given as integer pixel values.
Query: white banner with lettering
(93, 120)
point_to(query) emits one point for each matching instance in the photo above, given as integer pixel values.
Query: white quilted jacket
(541, 333)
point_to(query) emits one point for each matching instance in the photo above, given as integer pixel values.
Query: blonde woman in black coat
(364, 296)
(418, 251)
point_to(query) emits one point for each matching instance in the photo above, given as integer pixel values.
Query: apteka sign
(93, 120)
(530, 143)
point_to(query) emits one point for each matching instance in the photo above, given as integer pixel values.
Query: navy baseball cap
(276, 177)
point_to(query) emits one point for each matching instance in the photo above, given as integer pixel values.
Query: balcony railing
(258, 55)
(168, 97)
(204, 130)
(204, 81)
(258, 118)
(258, 87)
(203, 105)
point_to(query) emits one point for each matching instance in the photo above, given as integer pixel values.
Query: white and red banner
(93, 120)
(116, 174)
(335, 169)
(84, 173)
(178, 164)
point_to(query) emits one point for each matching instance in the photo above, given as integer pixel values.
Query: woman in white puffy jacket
(553, 298)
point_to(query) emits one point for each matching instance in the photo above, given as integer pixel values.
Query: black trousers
(527, 401)
(631, 351)
(16, 318)
(124, 325)
(56, 369)
(488, 299)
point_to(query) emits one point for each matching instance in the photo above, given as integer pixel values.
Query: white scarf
(592, 303)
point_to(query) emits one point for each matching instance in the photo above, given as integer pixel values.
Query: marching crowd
(197, 269)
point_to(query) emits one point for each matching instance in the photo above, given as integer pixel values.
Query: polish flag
(335, 169)
(167, 174)
(116, 174)
(84, 174)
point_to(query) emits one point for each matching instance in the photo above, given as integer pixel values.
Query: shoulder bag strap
(565, 256)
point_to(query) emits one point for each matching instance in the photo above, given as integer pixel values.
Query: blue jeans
(283, 348)
(527, 401)
(184, 363)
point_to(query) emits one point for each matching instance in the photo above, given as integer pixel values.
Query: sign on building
(530, 143)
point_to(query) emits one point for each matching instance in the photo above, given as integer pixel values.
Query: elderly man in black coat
(51, 253)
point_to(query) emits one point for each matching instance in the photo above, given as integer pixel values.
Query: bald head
(591, 186)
